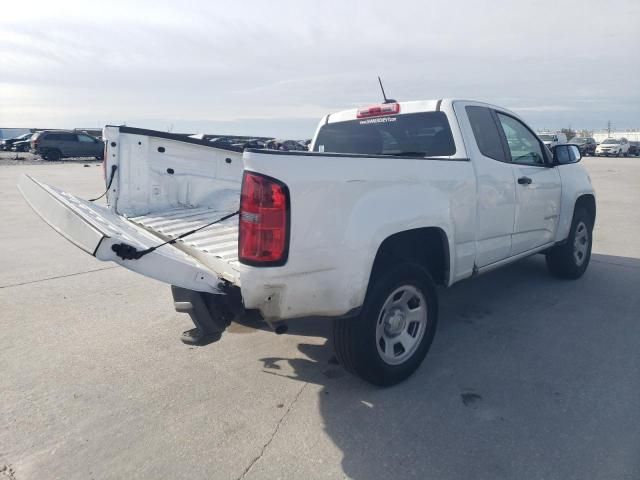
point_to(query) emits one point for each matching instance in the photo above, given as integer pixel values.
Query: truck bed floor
(219, 240)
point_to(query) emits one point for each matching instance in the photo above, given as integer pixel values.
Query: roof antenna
(386, 100)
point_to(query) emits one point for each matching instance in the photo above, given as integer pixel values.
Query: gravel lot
(528, 378)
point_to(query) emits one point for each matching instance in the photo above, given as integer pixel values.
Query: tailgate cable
(127, 252)
(113, 172)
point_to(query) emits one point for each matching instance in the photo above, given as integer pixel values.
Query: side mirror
(565, 154)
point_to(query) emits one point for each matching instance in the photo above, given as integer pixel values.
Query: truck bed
(219, 240)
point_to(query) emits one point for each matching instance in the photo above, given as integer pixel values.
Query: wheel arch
(588, 202)
(426, 246)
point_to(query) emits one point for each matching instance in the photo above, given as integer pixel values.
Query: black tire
(568, 261)
(356, 339)
(53, 155)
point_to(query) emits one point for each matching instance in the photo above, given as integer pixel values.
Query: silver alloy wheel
(401, 324)
(581, 243)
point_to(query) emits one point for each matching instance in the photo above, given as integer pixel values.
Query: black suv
(586, 145)
(9, 142)
(634, 149)
(56, 144)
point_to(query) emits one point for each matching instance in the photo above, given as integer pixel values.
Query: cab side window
(524, 146)
(85, 139)
(62, 137)
(486, 133)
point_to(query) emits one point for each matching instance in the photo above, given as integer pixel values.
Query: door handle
(524, 181)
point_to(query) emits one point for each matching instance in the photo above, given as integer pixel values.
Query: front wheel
(388, 341)
(571, 259)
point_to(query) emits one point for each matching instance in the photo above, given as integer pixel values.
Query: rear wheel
(571, 259)
(52, 155)
(388, 341)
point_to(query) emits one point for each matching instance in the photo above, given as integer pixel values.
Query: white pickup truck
(391, 201)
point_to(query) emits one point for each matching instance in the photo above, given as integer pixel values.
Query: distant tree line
(570, 133)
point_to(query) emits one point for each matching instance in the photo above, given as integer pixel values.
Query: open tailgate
(95, 229)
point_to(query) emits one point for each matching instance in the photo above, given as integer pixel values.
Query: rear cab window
(486, 133)
(423, 134)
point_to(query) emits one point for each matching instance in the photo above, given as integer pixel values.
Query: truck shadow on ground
(528, 377)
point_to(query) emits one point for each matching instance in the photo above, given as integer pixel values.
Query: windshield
(416, 134)
(579, 140)
(611, 141)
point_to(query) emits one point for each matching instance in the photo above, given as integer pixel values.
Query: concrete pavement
(529, 377)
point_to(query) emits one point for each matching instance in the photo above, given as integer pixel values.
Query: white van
(553, 139)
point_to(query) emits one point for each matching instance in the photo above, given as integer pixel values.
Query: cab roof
(414, 106)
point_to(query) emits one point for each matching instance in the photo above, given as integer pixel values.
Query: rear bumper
(282, 296)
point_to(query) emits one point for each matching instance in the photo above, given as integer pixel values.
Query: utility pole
(608, 128)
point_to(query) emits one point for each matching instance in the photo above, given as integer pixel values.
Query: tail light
(378, 110)
(264, 221)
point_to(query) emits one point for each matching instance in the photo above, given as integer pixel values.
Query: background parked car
(586, 145)
(634, 149)
(22, 145)
(552, 139)
(616, 147)
(56, 144)
(9, 142)
(286, 145)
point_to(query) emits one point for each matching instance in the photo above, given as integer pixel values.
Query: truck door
(538, 186)
(495, 189)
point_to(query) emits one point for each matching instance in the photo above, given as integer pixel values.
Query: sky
(274, 68)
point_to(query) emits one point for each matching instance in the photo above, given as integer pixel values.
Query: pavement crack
(56, 277)
(7, 472)
(273, 434)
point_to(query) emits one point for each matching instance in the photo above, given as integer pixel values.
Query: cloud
(199, 62)
(545, 108)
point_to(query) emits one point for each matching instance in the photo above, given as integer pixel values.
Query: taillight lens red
(264, 221)
(377, 110)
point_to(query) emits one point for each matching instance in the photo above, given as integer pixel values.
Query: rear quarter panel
(342, 209)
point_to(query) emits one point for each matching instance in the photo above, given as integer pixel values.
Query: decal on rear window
(378, 120)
